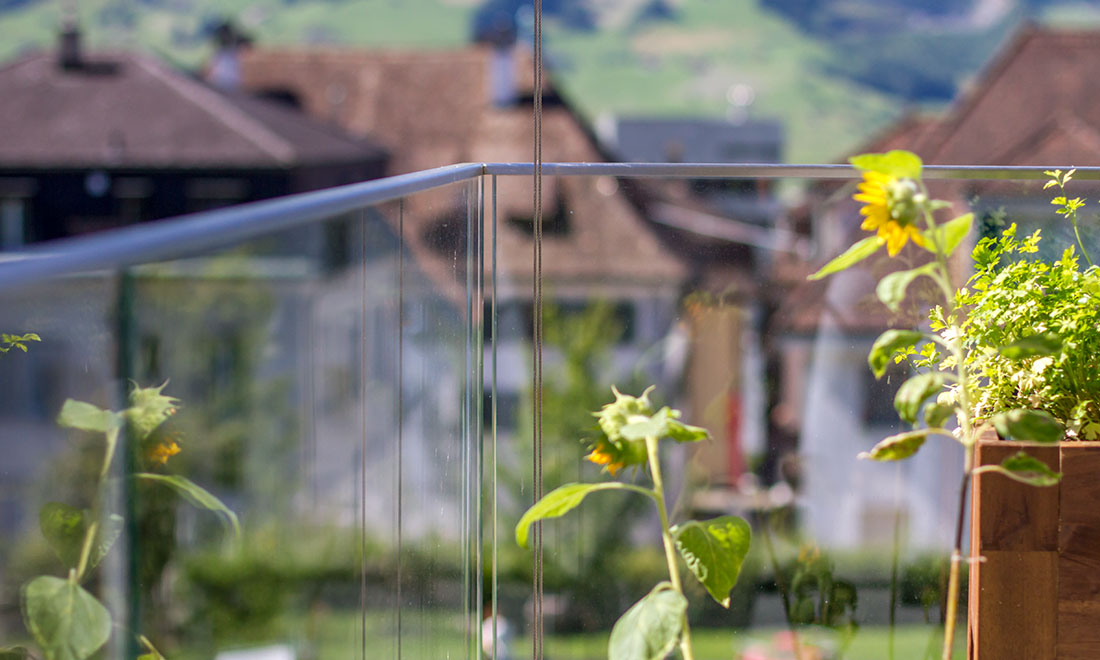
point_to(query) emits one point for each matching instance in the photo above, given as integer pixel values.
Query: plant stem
(968, 438)
(97, 504)
(666, 538)
(780, 584)
(951, 613)
(1080, 243)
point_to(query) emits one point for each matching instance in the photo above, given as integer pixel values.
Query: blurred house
(1033, 105)
(434, 108)
(90, 141)
(729, 231)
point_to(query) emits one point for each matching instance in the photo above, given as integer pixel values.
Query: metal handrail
(774, 171)
(171, 238)
(166, 239)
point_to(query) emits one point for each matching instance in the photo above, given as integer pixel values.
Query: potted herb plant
(1040, 548)
(1006, 356)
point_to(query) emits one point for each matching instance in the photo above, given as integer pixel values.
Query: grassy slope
(687, 67)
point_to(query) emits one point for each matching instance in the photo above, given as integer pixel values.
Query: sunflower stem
(666, 538)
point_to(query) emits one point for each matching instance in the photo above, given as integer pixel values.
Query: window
(12, 223)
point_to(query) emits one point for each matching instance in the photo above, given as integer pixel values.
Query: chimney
(224, 70)
(69, 56)
(498, 30)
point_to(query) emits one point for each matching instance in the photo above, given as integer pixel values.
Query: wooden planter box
(1037, 594)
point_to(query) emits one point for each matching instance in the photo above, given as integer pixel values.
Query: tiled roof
(1038, 91)
(433, 108)
(129, 110)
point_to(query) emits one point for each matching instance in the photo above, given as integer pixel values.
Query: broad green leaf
(67, 621)
(650, 629)
(1044, 344)
(196, 495)
(886, 345)
(897, 163)
(63, 526)
(86, 417)
(1025, 469)
(935, 413)
(109, 531)
(951, 233)
(891, 288)
(714, 551)
(851, 257)
(1028, 425)
(914, 391)
(897, 447)
(14, 653)
(561, 501)
(663, 424)
(654, 425)
(681, 432)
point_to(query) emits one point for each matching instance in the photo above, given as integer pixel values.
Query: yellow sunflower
(888, 210)
(607, 460)
(163, 451)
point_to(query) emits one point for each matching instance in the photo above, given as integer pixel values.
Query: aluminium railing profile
(167, 238)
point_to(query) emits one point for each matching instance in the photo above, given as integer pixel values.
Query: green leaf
(1025, 469)
(663, 424)
(951, 233)
(67, 621)
(654, 425)
(561, 501)
(714, 551)
(851, 257)
(935, 413)
(1044, 344)
(686, 432)
(1028, 425)
(898, 447)
(63, 526)
(650, 629)
(109, 531)
(886, 345)
(891, 288)
(897, 163)
(914, 391)
(14, 653)
(196, 495)
(86, 417)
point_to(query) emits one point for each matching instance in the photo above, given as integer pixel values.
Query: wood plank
(1017, 606)
(1078, 634)
(1011, 515)
(1079, 549)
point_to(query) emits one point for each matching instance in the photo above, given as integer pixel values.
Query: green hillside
(832, 90)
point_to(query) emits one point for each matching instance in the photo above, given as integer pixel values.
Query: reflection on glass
(334, 394)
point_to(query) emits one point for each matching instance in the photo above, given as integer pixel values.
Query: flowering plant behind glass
(948, 363)
(713, 550)
(64, 618)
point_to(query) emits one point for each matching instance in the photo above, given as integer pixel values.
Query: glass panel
(323, 383)
(652, 282)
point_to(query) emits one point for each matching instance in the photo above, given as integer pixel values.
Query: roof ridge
(981, 83)
(220, 108)
(1068, 122)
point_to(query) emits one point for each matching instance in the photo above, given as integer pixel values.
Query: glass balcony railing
(348, 443)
